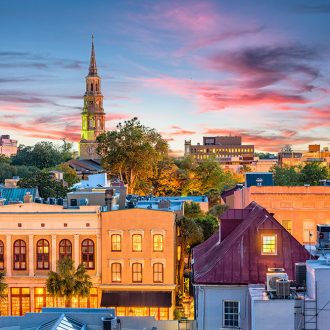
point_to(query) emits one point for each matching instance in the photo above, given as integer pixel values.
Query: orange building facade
(32, 238)
(139, 262)
(298, 209)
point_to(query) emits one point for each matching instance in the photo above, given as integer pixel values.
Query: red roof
(237, 259)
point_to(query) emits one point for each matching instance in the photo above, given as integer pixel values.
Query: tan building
(298, 209)
(32, 238)
(139, 262)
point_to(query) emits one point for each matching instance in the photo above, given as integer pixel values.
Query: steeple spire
(92, 64)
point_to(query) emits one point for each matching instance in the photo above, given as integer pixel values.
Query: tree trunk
(68, 301)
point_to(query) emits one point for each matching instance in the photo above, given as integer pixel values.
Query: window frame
(157, 273)
(224, 313)
(262, 245)
(135, 243)
(21, 256)
(42, 257)
(137, 272)
(113, 272)
(113, 243)
(155, 243)
(90, 255)
(65, 246)
(288, 221)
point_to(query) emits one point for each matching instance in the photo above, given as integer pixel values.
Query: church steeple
(92, 63)
(93, 116)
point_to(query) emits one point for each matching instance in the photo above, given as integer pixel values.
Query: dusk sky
(260, 69)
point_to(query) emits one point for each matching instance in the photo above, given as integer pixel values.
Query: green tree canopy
(47, 186)
(312, 173)
(68, 281)
(132, 152)
(69, 174)
(286, 176)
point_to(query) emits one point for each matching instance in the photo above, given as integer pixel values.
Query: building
(8, 147)
(139, 262)
(32, 238)
(93, 116)
(17, 195)
(227, 150)
(250, 247)
(299, 209)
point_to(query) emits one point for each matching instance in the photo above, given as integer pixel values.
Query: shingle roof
(238, 259)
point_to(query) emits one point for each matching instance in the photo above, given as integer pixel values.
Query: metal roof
(17, 194)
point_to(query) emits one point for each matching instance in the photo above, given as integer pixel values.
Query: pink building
(8, 147)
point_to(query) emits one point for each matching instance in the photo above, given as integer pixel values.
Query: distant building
(258, 179)
(298, 209)
(17, 195)
(8, 147)
(250, 249)
(227, 150)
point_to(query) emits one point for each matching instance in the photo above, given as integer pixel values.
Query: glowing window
(287, 224)
(137, 242)
(115, 242)
(42, 254)
(269, 244)
(137, 273)
(2, 260)
(87, 253)
(116, 272)
(158, 242)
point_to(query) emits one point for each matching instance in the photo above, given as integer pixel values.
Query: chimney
(27, 198)
(108, 198)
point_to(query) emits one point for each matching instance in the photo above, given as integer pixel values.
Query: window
(268, 244)
(158, 242)
(19, 255)
(42, 254)
(115, 242)
(65, 249)
(230, 314)
(137, 273)
(2, 260)
(20, 300)
(287, 224)
(87, 253)
(158, 270)
(137, 242)
(116, 272)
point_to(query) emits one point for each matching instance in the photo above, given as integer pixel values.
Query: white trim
(115, 232)
(158, 261)
(158, 231)
(139, 261)
(136, 232)
(238, 314)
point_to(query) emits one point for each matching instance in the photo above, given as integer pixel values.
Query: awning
(136, 298)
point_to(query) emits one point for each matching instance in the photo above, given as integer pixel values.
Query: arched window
(19, 255)
(115, 242)
(87, 253)
(158, 270)
(92, 87)
(2, 259)
(65, 249)
(116, 272)
(137, 273)
(42, 254)
(158, 242)
(137, 242)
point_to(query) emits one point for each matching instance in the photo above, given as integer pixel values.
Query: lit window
(137, 273)
(42, 254)
(269, 244)
(65, 249)
(230, 314)
(158, 271)
(115, 242)
(2, 260)
(87, 253)
(20, 301)
(116, 272)
(158, 242)
(19, 255)
(137, 242)
(287, 224)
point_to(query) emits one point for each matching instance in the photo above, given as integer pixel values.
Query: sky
(256, 68)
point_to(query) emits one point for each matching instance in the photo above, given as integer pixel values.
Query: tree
(132, 152)
(70, 176)
(287, 148)
(47, 186)
(209, 224)
(312, 173)
(68, 282)
(286, 176)
(3, 286)
(192, 210)
(24, 171)
(218, 209)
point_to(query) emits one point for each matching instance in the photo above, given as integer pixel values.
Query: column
(9, 258)
(76, 250)
(98, 255)
(32, 299)
(53, 255)
(31, 256)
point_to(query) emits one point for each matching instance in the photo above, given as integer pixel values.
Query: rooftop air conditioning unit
(272, 278)
(283, 288)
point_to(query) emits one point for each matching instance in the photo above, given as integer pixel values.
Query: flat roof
(318, 264)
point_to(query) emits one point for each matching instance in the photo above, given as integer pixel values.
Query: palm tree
(3, 286)
(68, 281)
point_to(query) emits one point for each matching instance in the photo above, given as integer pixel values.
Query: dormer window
(269, 244)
